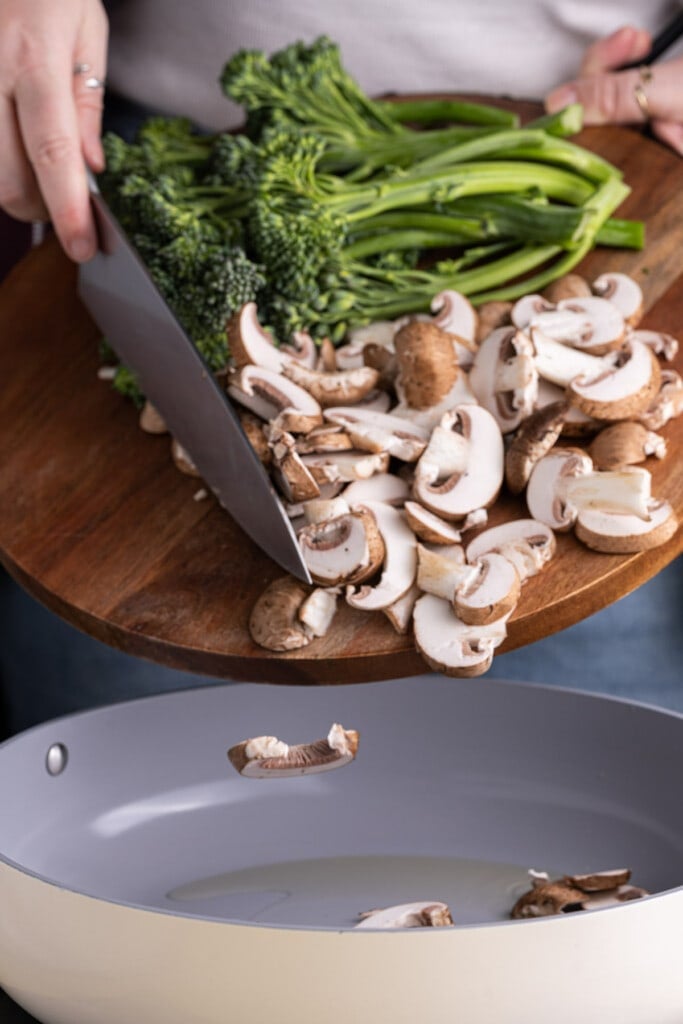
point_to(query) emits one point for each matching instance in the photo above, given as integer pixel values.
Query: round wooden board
(96, 522)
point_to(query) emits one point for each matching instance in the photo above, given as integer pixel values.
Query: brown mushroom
(569, 286)
(347, 549)
(274, 621)
(267, 757)
(624, 444)
(407, 915)
(534, 439)
(426, 362)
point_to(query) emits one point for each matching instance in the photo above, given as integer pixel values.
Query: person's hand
(49, 117)
(611, 97)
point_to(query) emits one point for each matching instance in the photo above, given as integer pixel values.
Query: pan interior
(458, 789)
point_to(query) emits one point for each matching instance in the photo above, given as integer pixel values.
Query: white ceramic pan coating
(146, 881)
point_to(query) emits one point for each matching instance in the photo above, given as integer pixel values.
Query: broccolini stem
(429, 111)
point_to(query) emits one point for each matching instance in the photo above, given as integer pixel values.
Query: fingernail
(560, 98)
(80, 250)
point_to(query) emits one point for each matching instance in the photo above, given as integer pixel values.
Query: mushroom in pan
(408, 915)
(573, 893)
(267, 757)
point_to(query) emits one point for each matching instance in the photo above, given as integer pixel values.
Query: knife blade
(143, 331)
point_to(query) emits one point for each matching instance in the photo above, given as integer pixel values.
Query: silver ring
(92, 81)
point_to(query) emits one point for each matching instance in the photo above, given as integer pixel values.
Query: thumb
(612, 98)
(625, 46)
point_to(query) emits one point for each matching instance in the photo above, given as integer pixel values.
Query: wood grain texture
(96, 522)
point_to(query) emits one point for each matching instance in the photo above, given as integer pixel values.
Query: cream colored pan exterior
(72, 959)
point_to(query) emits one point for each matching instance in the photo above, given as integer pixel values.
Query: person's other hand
(49, 119)
(609, 96)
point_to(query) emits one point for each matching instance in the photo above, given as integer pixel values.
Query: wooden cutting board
(96, 522)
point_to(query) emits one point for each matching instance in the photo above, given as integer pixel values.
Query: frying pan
(143, 880)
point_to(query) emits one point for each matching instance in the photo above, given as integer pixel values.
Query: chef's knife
(133, 315)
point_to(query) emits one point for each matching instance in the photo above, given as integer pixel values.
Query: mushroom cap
(492, 315)
(491, 593)
(545, 899)
(380, 432)
(528, 543)
(569, 286)
(621, 390)
(274, 622)
(428, 526)
(545, 495)
(250, 343)
(343, 387)
(534, 439)
(400, 560)
(617, 533)
(448, 644)
(292, 476)
(477, 486)
(324, 439)
(427, 364)
(269, 395)
(504, 377)
(346, 549)
(624, 443)
(623, 292)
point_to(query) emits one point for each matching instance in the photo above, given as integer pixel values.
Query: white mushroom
(504, 377)
(623, 292)
(606, 325)
(456, 315)
(400, 561)
(447, 453)
(382, 487)
(381, 332)
(380, 432)
(293, 478)
(377, 399)
(460, 394)
(667, 403)
(626, 534)
(266, 757)
(442, 571)
(318, 610)
(477, 486)
(491, 593)
(319, 510)
(250, 343)
(270, 395)
(400, 613)
(448, 644)
(344, 387)
(561, 364)
(347, 549)
(274, 621)
(622, 390)
(528, 307)
(408, 915)
(528, 544)
(345, 466)
(428, 526)
(303, 349)
(664, 345)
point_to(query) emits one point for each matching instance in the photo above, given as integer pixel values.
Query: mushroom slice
(491, 593)
(477, 486)
(345, 466)
(400, 613)
(250, 343)
(344, 387)
(455, 314)
(576, 423)
(569, 286)
(271, 396)
(293, 478)
(664, 345)
(266, 757)
(182, 459)
(621, 390)
(319, 510)
(534, 439)
(625, 443)
(600, 881)
(428, 526)
(347, 549)
(460, 394)
(546, 898)
(442, 572)
(303, 349)
(492, 315)
(381, 332)
(448, 644)
(324, 439)
(427, 366)
(318, 610)
(606, 324)
(349, 356)
(380, 432)
(528, 544)
(400, 562)
(526, 308)
(447, 452)
(255, 430)
(382, 487)
(561, 364)
(616, 533)
(613, 897)
(504, 377)
(376, 399)
(151, 420)
(667, 404)
(274, 621)
(408, 915)
(623, 292)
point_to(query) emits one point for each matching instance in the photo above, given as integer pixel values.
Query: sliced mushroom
(384, 361)
(270, 395)
(622, 390)
(667, 403)
(616, 533)
(491, 593)
(663, 345)
(250, 343)
(569, 286)
(599, 881)
(561, 364)
(545, 899)
(534, 439)
(380, 432)
(575, 893)
(400, 561)
(292, 476)
(477, 486)
(428, 526)
(303, 349)
(347, 549)
(408, 915)
(254, 429)
(341, 388)
(182, 459)
(345, 466)
(376, 399)
(266, 757)
(504, 377)
(606, 324)
(327, 357)
(623, 292)
(382, 487)
(318, 610)
(448, 644)
(442, 572)
(492, 315)
(576, 423)
(400, 613)
(274, 621)
(381, 332)
(625, 443)
(324, 439)
(151, 420)
(447, 453)
(319, 510)
(460, 394)
(528, 544)
(455, 314)
(427, 364)
(526, 308)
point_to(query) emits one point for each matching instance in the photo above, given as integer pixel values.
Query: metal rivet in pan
(56, 758)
